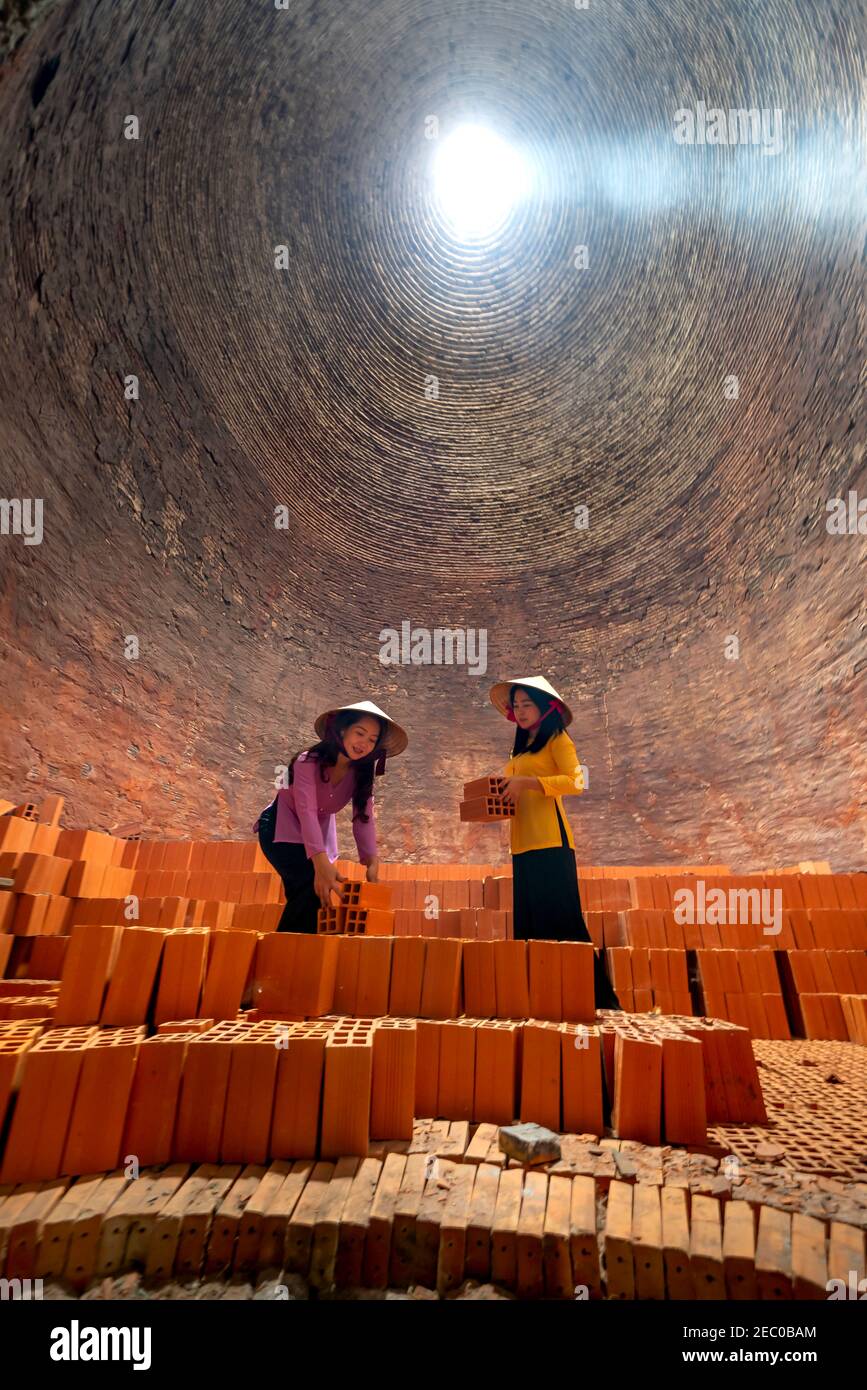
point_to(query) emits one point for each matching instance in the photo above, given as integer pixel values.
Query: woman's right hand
(326, 880)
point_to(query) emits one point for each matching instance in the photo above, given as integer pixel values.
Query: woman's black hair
(326, 750)
(551, 724)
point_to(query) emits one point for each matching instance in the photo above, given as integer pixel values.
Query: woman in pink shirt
(298, 833)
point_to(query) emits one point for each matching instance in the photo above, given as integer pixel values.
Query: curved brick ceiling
(557, 386)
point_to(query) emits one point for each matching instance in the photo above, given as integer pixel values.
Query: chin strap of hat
(552, 705)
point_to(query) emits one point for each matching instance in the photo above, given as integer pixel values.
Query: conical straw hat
(500, 693)
(394, 738)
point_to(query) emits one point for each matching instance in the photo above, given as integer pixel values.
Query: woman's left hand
(514, 787)
(373, 870)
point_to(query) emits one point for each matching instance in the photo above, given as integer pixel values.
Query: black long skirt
(297, 874)
(547, 906)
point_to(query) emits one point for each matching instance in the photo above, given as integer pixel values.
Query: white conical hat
(500, 693)
(394, 739)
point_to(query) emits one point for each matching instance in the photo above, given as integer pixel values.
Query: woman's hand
(373, 870)
(514, 787)
(325, 880)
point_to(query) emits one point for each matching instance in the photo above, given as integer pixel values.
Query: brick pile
(196, 1034)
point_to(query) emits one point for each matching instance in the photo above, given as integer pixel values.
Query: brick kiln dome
(666, 334)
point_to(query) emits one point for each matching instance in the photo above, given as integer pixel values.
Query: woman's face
(525, 710)
(360, 738)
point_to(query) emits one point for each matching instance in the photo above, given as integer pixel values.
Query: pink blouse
(305, 812)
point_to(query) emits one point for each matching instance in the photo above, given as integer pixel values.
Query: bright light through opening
(477, 180)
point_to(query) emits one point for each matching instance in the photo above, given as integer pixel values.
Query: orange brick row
(647, 978)
(470, 923)
(85, 1099)
(800, 928)
(242, 1092)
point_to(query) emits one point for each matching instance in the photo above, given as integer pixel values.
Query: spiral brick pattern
(431, 411)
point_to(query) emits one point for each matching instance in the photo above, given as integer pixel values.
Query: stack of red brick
(452, 1019)
(364, 910)
(83, 1099)
(483, 800)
